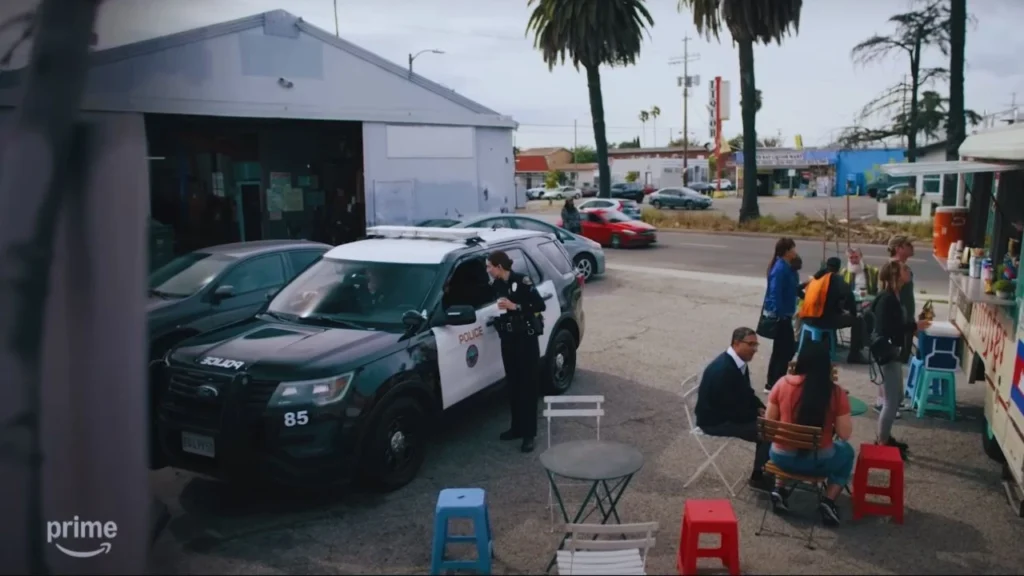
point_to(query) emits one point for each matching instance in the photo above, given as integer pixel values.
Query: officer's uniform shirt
(520, 290)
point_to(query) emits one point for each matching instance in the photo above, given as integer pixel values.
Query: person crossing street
(519, 327)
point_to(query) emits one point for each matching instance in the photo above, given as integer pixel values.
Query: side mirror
(412, 320)
(223, 292)
(459, 316)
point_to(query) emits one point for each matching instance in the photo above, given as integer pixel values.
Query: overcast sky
(809, 84)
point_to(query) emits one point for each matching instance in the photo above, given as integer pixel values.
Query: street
(750, 255)
(647, 332)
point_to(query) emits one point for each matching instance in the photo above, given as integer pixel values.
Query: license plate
(197, 444)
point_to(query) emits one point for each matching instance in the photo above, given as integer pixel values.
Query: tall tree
(655, 112)
(748, 22)
(591, 33)
(644, 117)
(956, 129)
(584, 154)
(913, 32)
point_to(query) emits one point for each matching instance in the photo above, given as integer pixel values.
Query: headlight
(629, 232)
(304, 392)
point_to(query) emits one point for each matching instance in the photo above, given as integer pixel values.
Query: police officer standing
(519, 328)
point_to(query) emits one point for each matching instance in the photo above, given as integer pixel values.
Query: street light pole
(686, 82)
(416, 55)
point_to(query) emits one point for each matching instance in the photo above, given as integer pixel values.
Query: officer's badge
(514, 286)
(527, 281)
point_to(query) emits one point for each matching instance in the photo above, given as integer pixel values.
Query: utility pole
(575, 141)
(686, 81)
(337, 31)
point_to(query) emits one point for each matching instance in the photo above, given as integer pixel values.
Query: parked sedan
(723, 184)
(684, 198)
(561, 193)
(534, 193)
(615, 229)
(701, 187)
(587, 256)
(627, 207)
(215, 286)
(628, 191)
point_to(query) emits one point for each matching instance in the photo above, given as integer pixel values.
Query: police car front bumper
(236, 441)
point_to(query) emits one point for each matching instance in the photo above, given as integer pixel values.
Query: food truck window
(981, 188)
(1009, 212)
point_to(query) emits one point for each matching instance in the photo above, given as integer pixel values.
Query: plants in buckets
(1004, 288)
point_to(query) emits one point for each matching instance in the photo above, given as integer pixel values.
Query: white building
(273, 125)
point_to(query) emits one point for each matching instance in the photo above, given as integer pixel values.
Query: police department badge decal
(472, 355)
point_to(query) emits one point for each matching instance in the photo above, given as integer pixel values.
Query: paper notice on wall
(292, 199)
(280, 183)
(275, 200)
(218, 184)
(393, 203)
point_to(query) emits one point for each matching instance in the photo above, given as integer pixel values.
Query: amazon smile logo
(75, 533)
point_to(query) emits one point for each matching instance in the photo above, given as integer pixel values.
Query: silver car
(587, 255)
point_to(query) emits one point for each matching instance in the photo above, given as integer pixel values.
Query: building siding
(863, 166)
(408, 189)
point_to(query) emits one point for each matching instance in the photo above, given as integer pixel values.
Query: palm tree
(748, 22)
(644, 117)
(591, 33)
(655, 112)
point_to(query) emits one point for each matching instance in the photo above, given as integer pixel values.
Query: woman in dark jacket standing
(892, 326)
(571, 216)
(779, 308)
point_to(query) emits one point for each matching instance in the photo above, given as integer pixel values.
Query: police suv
(338, 376)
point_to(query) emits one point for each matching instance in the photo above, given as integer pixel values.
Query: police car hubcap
(560, 361)
(397, 442)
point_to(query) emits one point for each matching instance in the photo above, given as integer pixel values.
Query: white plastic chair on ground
(584, 554)
(690, 386)
(551, 412)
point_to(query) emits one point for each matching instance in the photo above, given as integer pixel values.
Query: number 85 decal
(300, 418)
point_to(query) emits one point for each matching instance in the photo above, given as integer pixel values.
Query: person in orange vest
(829, 304)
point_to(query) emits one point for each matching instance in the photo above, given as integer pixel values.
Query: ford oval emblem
(207, 391)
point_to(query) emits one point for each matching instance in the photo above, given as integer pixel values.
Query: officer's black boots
(527, 446)
(510, 435)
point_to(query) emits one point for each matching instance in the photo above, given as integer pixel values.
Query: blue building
(825, 171)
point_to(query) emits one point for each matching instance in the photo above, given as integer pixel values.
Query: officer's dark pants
(521, 356)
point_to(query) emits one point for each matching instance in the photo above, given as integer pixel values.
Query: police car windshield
(370, 294)
(188, 274)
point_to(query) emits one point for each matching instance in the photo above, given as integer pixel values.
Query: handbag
(882, 350)
(767, 326)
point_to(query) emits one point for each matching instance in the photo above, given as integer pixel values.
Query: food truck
(986, 221)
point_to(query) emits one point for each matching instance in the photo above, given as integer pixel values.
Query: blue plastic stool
(469, 503)
(816, 334)
(936, 391)
(940, 354)
(914, 374)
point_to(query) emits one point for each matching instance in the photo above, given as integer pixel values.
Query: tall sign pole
(715, 116)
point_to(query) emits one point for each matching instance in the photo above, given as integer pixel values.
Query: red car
(615, 229)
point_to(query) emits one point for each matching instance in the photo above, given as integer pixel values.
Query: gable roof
(541, 151)
(12, 78)
(531, 163)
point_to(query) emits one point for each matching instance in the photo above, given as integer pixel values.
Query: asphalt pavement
(749, 256)
(647, 332)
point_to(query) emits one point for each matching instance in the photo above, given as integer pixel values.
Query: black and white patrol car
(337, 378)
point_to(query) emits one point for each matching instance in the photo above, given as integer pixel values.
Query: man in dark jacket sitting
(727, 404)
(840, 310)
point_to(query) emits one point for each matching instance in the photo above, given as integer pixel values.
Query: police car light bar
(449, 234)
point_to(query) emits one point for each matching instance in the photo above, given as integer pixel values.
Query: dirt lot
(645, 335)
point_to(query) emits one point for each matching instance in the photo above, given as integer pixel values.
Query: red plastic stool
(873, 456)
(708, 517)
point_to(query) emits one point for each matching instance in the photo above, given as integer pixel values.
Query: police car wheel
(560, 363)
(396, 445)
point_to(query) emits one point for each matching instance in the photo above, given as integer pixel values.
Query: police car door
(469, 357)
(545, 286)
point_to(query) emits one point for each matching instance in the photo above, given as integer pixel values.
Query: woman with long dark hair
(810, 397)
(776, 322)
(892, 328)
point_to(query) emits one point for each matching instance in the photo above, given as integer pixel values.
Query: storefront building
(780, 170)
(267, 127)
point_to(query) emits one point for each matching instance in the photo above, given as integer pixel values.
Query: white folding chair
(690, 386)
(551, 412)
(585, 554)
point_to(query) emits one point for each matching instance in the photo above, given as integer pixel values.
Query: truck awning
(1006, 144)
(907, 169)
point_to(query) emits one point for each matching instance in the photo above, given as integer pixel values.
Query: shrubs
(903, 204)
(799, 226)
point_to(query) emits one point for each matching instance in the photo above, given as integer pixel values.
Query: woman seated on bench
(809, 397)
